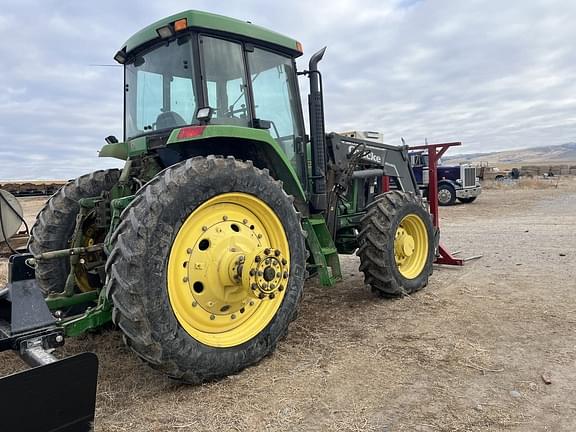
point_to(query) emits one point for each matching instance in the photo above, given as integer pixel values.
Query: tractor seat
(169, 119)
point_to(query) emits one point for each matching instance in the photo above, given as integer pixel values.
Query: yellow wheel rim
(411, 246)
(81, 273)
(228, 270)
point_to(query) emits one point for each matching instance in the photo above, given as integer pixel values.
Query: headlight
(204, 114)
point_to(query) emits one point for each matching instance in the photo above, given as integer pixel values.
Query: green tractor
(199, 247)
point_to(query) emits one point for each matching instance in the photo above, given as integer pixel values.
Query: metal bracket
(38, 351)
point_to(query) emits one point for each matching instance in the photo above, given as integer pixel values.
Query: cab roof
(207, 21)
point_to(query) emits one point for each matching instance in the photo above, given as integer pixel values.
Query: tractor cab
(200, 69)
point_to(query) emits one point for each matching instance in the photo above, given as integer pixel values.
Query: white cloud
(492, 74)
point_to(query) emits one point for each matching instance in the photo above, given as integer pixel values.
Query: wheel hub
(444, 196)
(217, 263)
(267, 274)
(411, 246)
(404, 244)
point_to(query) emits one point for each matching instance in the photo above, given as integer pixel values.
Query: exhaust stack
(317, 133)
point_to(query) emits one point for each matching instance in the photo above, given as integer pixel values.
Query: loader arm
(357, 172)
(377, 160)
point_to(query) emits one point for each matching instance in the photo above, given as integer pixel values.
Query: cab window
(225, 81)
(275, 99)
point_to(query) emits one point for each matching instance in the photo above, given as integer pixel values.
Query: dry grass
(444, 359)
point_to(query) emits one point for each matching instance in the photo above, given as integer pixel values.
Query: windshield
(160, 92)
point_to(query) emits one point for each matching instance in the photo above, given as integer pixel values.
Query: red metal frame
(435, 152)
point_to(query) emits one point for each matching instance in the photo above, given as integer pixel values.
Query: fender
(449, 182)
(241, 142)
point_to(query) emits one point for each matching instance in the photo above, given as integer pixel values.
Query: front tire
(446, 194)
(173, 287)
(467, 200)
(396, 245)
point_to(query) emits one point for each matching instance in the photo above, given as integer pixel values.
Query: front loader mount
(55, 395)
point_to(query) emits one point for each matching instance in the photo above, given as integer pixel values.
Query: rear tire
(139, 269)
(378, 245)
(446, 194)
(56, 221)
(467, 200)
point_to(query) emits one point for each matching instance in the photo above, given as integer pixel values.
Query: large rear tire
(396, 245)
(55, 225)
(173, 273)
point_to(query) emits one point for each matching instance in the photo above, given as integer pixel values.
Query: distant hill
(556, 154)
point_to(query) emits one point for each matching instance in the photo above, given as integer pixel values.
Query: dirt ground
(466, 354)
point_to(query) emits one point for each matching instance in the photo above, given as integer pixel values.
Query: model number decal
(370, 156)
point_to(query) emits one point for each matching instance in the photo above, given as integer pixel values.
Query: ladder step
(316, 221)
(329, 251)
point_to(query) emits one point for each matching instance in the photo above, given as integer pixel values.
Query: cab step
(324, 252)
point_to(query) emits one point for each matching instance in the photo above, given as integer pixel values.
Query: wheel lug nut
(185, 279)
(254, 286)
(260, 273)
(284, 262)
(271, 286)
(280, 288)
(277, 252)
(259, 236)
(245, 221)
(189, 251)
(212, 317)
(233, 316)
(194, 304)
(257, 259)
(261, 296)
(252, 272)
(271, 296)
(285, 275)
(267, 251)
(251, 303)
(204, 228)
(225, 218)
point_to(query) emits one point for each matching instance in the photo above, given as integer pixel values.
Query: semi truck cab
(458, 182)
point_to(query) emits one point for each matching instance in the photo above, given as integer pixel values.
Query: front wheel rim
(228, 269)
(411, 246)
(444, 196)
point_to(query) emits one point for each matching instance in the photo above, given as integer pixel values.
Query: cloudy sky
(493, 74)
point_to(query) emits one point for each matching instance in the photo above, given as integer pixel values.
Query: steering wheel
(232, 112)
